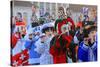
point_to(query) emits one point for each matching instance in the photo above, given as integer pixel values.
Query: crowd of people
(54, 41)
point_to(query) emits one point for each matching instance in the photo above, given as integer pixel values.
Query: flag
(19, 55)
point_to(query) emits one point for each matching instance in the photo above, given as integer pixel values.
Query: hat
(51, 24)
(42, 35)
(47, 26)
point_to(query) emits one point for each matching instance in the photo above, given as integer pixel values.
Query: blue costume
(87, 53)
(33, 55)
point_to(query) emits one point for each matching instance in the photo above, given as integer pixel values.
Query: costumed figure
(43, 44)
(60, 44)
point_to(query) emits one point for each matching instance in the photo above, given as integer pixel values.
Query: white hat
(51, 24)
(42, 35)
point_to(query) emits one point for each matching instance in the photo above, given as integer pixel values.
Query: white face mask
(65, 28)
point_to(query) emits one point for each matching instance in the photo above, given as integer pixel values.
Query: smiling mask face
(63, 27)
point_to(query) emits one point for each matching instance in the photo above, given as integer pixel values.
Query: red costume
(19, 23)
(61, 42)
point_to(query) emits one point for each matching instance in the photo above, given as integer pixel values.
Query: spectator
(88, 47)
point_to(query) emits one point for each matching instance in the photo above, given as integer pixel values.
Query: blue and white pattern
(87, 53)
(43, 49)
